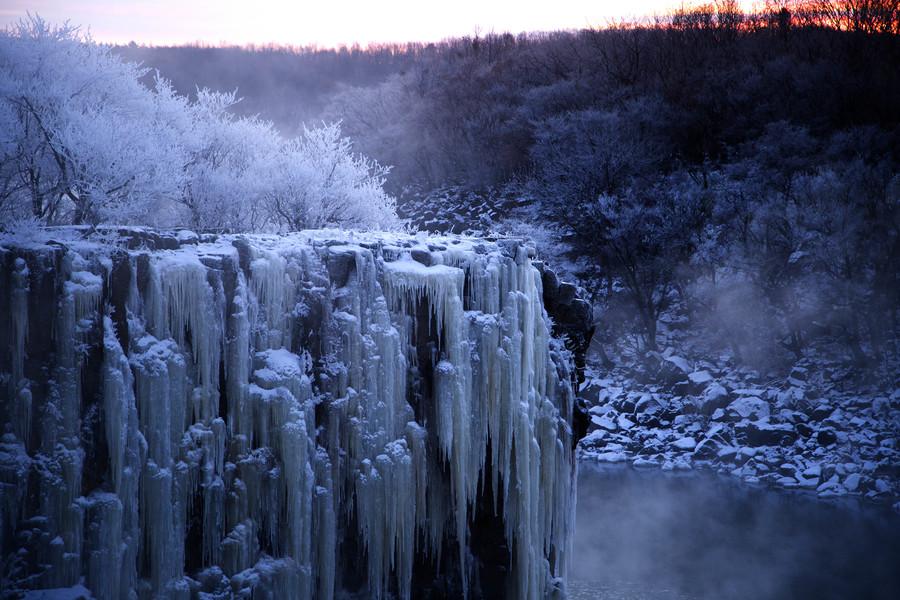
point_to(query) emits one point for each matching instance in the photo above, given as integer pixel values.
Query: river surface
(648, 535)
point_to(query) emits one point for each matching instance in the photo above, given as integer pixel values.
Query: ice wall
(318, 415)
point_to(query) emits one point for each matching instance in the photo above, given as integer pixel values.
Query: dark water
(647, 535)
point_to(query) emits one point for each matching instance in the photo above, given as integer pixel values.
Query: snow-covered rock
(685, 443)
(826, 437)
(813, 472)
(748, 407)
(700, 377)
(796, 428)
(624, 422)
(679, 363)
(763, 433)
(604, 422)
(851, 483)
(714, 396)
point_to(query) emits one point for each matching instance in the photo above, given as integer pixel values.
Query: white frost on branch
(84, 140)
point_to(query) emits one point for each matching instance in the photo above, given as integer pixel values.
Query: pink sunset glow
(301, 22)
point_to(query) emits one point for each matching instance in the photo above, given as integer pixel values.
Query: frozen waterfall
(324, 414)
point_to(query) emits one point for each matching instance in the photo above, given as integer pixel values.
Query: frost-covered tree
(643, 236)
(318, 181)
(226, 175)
(84, 140)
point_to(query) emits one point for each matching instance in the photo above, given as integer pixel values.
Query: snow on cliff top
(86, 240)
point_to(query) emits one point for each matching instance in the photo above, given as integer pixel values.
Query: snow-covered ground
(817, 429)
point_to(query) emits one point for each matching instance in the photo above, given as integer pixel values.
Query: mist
(642, 535)
(286, 85)
(705, 205)
(730, 176)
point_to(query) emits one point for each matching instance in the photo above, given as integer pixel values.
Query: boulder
(685, 443)
(422, 256)
(787, 469)
(707, 449)
(821, 411)
(826, 437)
(803, 429)
(700, 378)
(647, 404)
(648, 420)
(813, 472)
(799, 373)
(792, 416)
(792, 397)
(851, 483)
(591, 391)
(683, 388)
(624, 422)
(625, 405)
(673, 369)
(831, 485)
(678, 363)
(604, 422)
(762, 433)
(728, 453)
(714, 396)
(748, 407)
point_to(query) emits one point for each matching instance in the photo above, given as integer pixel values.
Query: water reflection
(646, 535)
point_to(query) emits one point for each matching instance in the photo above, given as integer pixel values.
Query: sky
(322, 22)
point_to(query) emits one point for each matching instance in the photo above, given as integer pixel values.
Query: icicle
(104, 547)
(289, 404)
(237, 364)
(85, 288)
(268, 285)
(19, 320)
(325, 529)
(192, 308)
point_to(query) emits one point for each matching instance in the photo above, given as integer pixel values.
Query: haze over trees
(732, 174)
(382, 415)
(89, 138)
(740, 167)
(737, 170)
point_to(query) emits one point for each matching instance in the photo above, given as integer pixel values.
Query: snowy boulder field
(804, 432)
(319, 414)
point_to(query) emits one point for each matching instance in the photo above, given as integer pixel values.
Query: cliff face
(286, 417)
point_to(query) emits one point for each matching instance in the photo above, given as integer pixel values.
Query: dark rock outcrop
(572, 316)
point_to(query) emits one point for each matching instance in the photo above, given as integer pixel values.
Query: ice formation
(307, 416)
